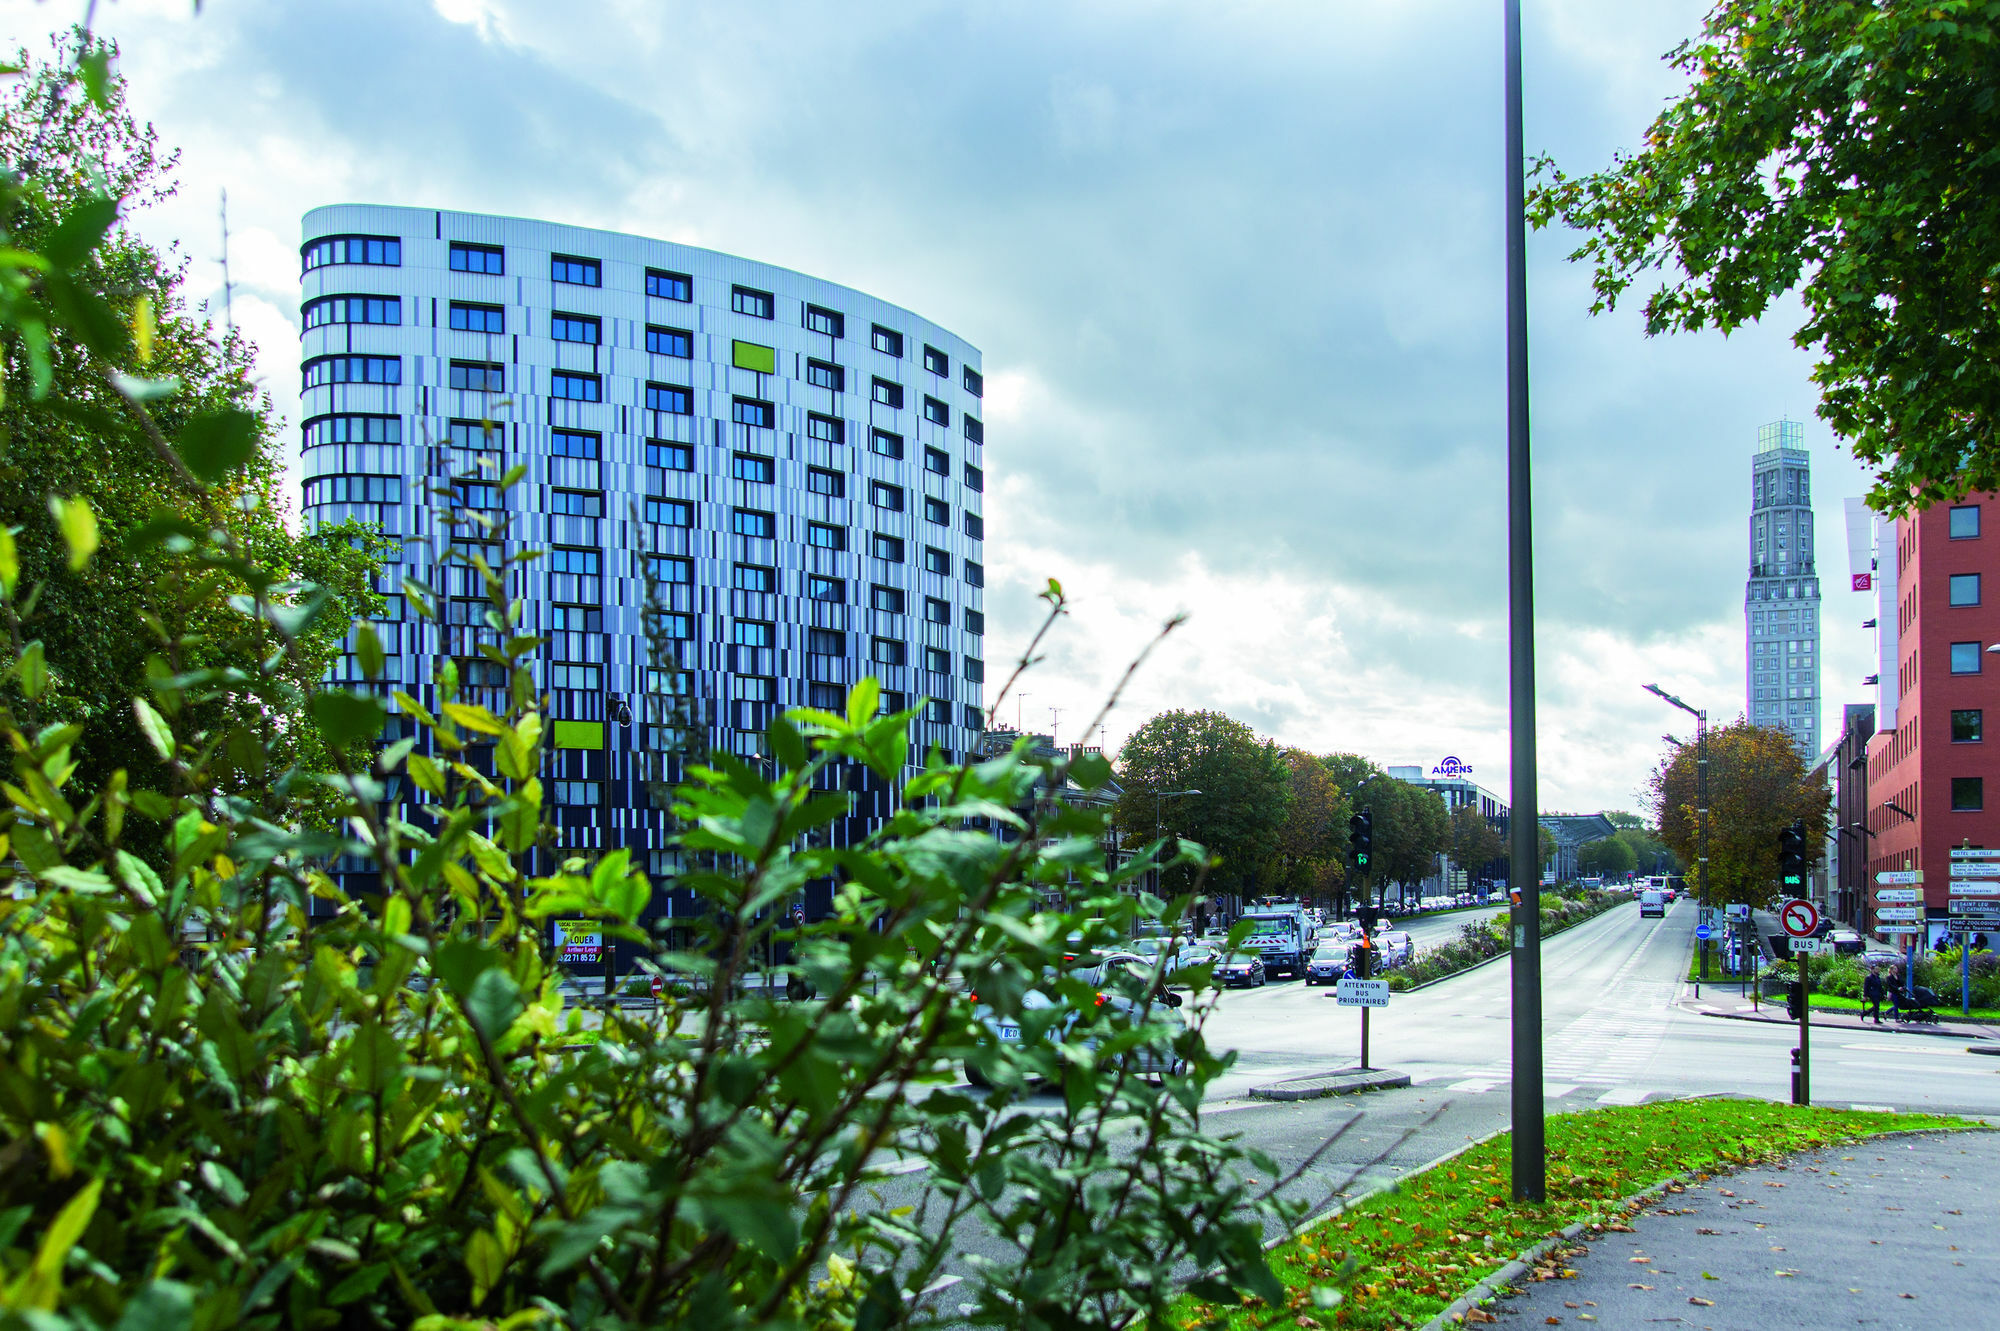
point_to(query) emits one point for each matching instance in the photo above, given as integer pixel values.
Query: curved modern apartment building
(797, 464)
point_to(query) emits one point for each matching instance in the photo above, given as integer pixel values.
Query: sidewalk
(1892, 1233)
(1720, 999)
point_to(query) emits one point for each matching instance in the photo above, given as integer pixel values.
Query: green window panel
(579, 734)
(750, 356)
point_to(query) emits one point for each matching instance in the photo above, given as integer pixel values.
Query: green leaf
(94, 68)
(347, 718)
(160, 1305)
(44, 1280)
(10, 562)
(1090, 770)
(493, 1003)
(80, 232)
(144, 390)
(460, 963)
(79, 529)
(217, 443)
(154, 727)
(862, 702)
(33, 670)
(484, 1262)
(368, 648)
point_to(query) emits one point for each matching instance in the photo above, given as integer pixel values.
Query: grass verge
(1837, 1003)
(1430, 1239)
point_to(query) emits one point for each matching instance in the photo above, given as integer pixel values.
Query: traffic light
(1361, 841)
(1792, 859)
(1795, 1000)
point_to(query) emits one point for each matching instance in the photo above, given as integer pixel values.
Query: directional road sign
(1972, 926)
(1900, 913)
(1963, 907)
(1899, 928)
(1702, 932)
(1975, 869)
(1350, 992)
(1887, 895)
(1900, 877)
(1799, 916)
(1976, 890)
(1971, 853)
(1812, 947)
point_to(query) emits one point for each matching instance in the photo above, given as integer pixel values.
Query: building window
(575, 328)
(669, 341)
(674, 457)
(576, 619)
(670, 569)
(1965, 658)
(827, 697)
(352, 310)
(975, 479)
(750, 522)
(937, 460)
(748, 300)
(1968, 726)
(975, 670)
(469, 318)
(576, 503)
(832, 591)
(887, 444)
(1968, 794)
(353, 429)
(886, 392)
(938, 710)
(674, 626)
(975, 526)
(936, 412)
(477, 376)
(972, 718)
(975, 431)
(826, 537)
(886, 342)
(755, 633)
(936, 510)
(975, 383)
(937, 660)
(352, 370)
(750, 467)
(669, 286)
(831, 322)
(826, 642)
(569, 269)
(825, 374)
(760, 578)
(1965, 589)
(884, 495)
(823, 482)
(1964, 522)
(468, 258)
(577, 794)
(573, 444)
(576, 387)
(936, 361)
(886, 599)
(666, 397)
(888, 548)
(485, 436)
(975, 623)
(887, 651)
(975, 574)
(669, 512)
(475, 494)
(755, 411)
(756, 688)
(354, 489)
(936, 611)
(381, 251)
(575, 675)
(827, 429)
(936, 561)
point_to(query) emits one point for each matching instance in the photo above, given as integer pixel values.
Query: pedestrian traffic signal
(1792, 859)
(1795, 1000)
(1361, 840)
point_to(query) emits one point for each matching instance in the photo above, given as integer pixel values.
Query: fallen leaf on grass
(1708, 1231)
(1782, 1272)
(1906, 1296)
(1726, 1192)
(1700, 1301)
(1638, 1287)
(1480, 1315)
(1638, 1259)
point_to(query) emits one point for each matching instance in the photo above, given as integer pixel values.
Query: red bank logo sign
(1863, 582)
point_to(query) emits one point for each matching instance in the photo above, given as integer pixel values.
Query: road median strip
(1315, 1087)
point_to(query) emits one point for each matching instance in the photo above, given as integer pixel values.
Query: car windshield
(1330, 954)
(1148, 947)
(1269, 928)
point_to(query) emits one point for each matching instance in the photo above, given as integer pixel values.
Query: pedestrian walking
(1871, 992)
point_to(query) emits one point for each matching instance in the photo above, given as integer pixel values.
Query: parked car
(1395, 947)
(1180, 953)
(1328, 963)
(1847, 941)
(1243, 970)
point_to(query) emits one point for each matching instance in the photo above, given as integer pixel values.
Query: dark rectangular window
(937, 460)
(569, 269)
(755, 411)
(750, 522)
(1964, 522)
(975, 384)
(748, 300)
(887, 651)
(352, 310)
(972, 718)
(886, 392)
(887, 342)
(884, 495)
(352, 370)
(823, 482)
(761, 578)
(380, 251)
(1968, 794)
(938, 710)
(826, 537)
(666, 397)
(821, 320)
(825, 374)
(670, 512)
(975, 574)
(888, 548)
(830, 590)
(353, 429)
(887, 599)
(674, 457)
(576, 619)
(975, 431)
(575, 328)
(477, 376)
(573, 444)
(576, 503)
(893, 700)
(751, 467)
(975, 526)
(469, 258)
(887, 444)
(936, 412)
(669, 286)
(1965, 589)
(669, 341)
(827, 697)
(975, 670)
(1968, 725)
(670, 569)
(755, 633)
(469, 318)
(936, 561)
(975, 479)
(576, 387)
(474, 494)
(975, 623)
(826, 642)
(484, 435)
(827, 429)
(674, 626)
(936, 510)
(354, 489)
(1965, 658)
(937, 660)
(936, 611)
(936, 361)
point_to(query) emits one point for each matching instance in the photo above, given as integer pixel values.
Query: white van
(1652, 901)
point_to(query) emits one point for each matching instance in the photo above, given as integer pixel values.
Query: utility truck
(1278, 935)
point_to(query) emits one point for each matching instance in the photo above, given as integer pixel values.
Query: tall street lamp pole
(1159, 795)
(1530, 1159)
(1700, 800)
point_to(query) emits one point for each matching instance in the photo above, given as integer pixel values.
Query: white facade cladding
(799, 465)
(1781, 602)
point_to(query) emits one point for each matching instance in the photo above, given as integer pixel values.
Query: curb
(1993, 1049)
(1330, 1083)
(1787, 1021)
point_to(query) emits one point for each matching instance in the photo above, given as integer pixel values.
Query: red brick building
(1930, 757)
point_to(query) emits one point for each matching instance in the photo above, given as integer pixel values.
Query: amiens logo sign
(1449, 768)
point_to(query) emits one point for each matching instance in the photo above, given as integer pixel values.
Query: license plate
(1010, 1032)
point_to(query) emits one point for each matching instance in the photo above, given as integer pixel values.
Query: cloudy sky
(1235, 271)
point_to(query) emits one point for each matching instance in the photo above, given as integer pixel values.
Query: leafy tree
(1474, 843)
(1546, 845)
(1839, 148)
(1649, 853)
(1310, 861)
(1623, 819)
(1245, 785)
(1611, 857)
(1756, 786)
(1416, 831)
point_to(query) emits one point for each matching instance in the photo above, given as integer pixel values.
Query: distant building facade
(1848, 876)
(1781, 601)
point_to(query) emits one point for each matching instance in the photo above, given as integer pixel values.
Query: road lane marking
(1472, 1086)
(1908, 1049)
(1907, 1069)
(1624, 1095)
(1553, 1091)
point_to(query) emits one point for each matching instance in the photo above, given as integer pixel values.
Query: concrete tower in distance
(1781, 603)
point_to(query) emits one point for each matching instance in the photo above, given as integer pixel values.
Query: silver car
(1328, 964)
